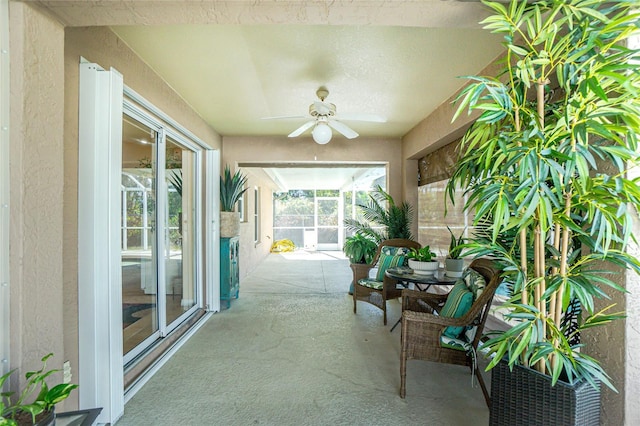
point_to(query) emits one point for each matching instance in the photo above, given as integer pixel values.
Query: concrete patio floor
(290, 351)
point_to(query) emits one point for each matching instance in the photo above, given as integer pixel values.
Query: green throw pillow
(458, 303)
(386, 261)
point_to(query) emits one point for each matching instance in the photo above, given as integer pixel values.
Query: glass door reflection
(180, 231)
(140, 320)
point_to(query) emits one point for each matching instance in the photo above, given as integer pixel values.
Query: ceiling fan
(323, 119)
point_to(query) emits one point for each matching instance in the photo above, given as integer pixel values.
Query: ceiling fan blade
(300, 130)
(372, 118)
(282, 117)
(342, 128)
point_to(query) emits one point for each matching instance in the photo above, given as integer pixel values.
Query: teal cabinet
(229, 269)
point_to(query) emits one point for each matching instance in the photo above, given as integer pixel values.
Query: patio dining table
(407, 278)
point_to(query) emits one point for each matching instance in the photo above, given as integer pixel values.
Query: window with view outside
(299, 212)
(293, 211)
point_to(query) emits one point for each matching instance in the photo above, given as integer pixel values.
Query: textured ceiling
(236, 75)
(236, 62)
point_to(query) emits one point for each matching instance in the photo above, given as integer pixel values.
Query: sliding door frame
(101, 107)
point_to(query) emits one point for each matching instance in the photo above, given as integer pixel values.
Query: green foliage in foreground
(548, 161)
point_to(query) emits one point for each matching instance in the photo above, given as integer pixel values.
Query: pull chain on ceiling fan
(324, 119)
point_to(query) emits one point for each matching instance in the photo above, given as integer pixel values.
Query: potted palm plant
(383, 218)
(30, 408)
(232, 187)
(548, 158)
(454, 263)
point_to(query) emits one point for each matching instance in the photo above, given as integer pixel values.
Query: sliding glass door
(139, 248)
(159, 232)
(180, 233)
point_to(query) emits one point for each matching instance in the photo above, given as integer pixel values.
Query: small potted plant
(231, 189)
(454, 264)
(360, 249)
(423, 261)
(29, 410)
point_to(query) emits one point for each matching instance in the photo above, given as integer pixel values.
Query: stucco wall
(252, 253)
(632, 340)
(607, 345)
(36, 174)
(247, 150)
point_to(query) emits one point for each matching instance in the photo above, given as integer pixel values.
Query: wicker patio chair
(423, 335)
(379, 289)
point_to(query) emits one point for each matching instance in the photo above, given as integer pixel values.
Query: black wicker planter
(525, 397)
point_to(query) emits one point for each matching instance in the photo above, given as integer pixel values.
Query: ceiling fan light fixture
(321, 133)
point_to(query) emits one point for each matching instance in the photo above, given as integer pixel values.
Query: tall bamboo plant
(548, 160)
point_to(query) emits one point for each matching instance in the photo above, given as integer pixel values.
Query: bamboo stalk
(554, 270)
(537, 268)
(540, 99)
(523, 265)
(540, 235)
(524, 295)
(564, 254)
(537, 289)
(543, 268)
(542, 286)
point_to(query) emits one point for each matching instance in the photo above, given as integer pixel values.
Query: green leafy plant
(231, 189)
(423, 254)
(359, 248)
(175, 178)
(455, 245)
(44, 401)
(381, 210)
(548, 160)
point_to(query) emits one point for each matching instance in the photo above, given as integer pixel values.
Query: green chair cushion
(457, 344)
(458, 303)
(390, 257)
(371, 283)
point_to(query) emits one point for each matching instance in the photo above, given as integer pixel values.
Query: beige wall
(610, 344)
(631, 369)
(36, 176)
(607, 345)
(100, 45)
(252, 253)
